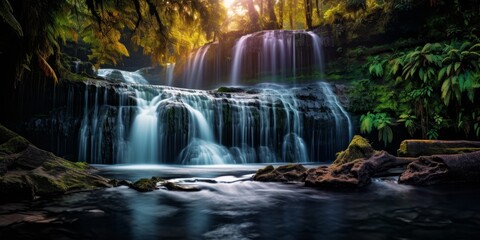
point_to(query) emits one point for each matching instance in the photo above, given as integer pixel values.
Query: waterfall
(275, 55)
(238, 50)
(170, 68)
(340, 115)
(262, 123)
(196, 68)
(121, 76)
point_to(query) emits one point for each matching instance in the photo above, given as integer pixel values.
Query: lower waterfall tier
(122, 123)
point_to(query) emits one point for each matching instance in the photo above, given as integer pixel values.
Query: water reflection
(230, 206)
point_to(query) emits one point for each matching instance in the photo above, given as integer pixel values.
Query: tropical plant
(382, 122)
(460, 72)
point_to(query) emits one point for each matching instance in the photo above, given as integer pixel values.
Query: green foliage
(382, 123)
(409, 122)
(376, 66)
(460, 72)
(423, 88)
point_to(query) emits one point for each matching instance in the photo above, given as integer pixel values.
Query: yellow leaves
(121, 49)
(47, 69)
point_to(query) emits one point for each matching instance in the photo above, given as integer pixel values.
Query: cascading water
(169, 70)
(122, 76)
(275, 55)
(138, 123)
(196, 68)
(264, 123)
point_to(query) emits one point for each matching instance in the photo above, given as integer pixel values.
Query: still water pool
(230, 206)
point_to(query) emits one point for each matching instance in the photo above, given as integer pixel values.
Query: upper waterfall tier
(128, 123)
(266, 56)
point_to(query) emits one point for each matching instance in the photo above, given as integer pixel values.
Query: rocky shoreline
(359, 163)
(27, 172)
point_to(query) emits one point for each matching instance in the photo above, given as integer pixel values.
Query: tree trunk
(281, 12)
(271, 14)
(254, 17)
(416, 148)
(308, 13)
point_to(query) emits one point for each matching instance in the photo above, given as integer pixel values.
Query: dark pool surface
(237, 208)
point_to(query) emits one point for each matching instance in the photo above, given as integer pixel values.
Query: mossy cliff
(27, 172)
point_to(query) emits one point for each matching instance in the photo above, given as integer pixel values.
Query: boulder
(146, 184)
(27, 171)
(178, 187)
(416, 147)
(356, 173)
(359, 147)
(285, 173)
(439, 169)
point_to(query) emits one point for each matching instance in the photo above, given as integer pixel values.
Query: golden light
(228, 5)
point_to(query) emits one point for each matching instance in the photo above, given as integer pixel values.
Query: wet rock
(440, 169)
(230, 90)
(146, 184)
(118, 183)
(178, 187)
(285, 173)
(31, 217)
(350, 172)
(27, 171)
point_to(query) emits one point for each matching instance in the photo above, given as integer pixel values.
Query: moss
(6, 134)
(145, 184)
(402, 151)
(14, 145)
(15, 187)
(290, 167)
(359, 147)
(62, 164)
(265, 170)
(229, 90)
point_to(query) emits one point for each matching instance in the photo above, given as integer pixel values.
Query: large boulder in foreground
(285, 173)
(27, 171)
(438, 169)
(356, 173)
(354, 167)
(418, 147)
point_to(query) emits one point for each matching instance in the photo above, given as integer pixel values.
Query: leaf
(441, 73)
(6, 14)
(446, 92)
(47, 69)
(457, 65)
(366, 123)
(119, 47)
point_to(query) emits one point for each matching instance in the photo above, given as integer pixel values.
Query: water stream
(229, 206)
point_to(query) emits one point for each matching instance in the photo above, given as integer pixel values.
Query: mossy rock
(146, 184)
(27, 171)
(359, 147)
(229, 90)
(265, 170)
(284, 173)
(14, 145)
(15, 187)
(6, 134)
(182, 188)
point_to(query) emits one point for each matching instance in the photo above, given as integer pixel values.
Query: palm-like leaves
(459, 72)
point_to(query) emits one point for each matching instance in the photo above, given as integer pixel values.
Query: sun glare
(228, 5)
